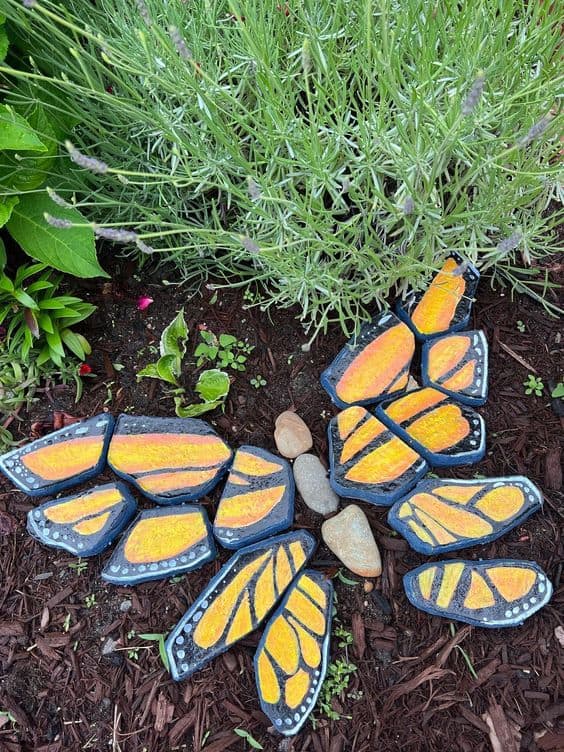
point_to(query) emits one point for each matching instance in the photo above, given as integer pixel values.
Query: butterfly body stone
(170, 460)
(162, 542)
(292, 656)
(373, 365)
(446, 304)
(457, 365)
(258, 498)
(442, 515)
(491, 593)
(61, 459)
(83, 524)
(236, 601)
(368, 461)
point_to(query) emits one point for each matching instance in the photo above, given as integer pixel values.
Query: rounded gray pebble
(313, 484)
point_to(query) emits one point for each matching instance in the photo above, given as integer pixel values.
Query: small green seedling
(226, 350)
(558, 391)
(258, 381)
(90, 600)
(338, 678)
(160, 640)
(521, 326)
(251, 741)
(7, 717)
(345, 580)
(80, 566)
(66, 623)
(345, 637)
(534, 384)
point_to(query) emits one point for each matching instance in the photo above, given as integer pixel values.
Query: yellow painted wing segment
(147, 452)
(60, 461)
(436, 309)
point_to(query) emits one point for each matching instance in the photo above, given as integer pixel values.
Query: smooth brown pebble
(349, 536)
(291, 435)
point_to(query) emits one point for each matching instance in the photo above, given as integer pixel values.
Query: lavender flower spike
(59, 200)
(58, 222)
(115, 234)
(179, 43)
(89, 163)
(474, 95)
(535, 131)
(509, 244)
(29, 3)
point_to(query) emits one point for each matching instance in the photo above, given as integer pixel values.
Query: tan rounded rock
(291, 435)
(349, 536)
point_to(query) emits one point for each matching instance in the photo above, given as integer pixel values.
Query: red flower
(143, 302)
(84, 369)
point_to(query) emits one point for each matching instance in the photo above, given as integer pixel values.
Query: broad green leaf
(193, 411)
(74, 343)
(174, 337)
(4, 43)
(26, 300)
(225, 340)
(55, 344)
(558, 391)
(72, 251)
(167, 368)
(213, 385)
(7, 203)
(6, 283)
(16, 133)
(45, 323)
(149, 372)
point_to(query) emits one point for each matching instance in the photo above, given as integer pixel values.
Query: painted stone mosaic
(458, 366)
(493, 593)
(162, 543)
(446, 515)
(373, 365)
(258, 499)
(84, 524)
(170, 460)
(367, 461)
(61, 459)
(443, 431)
(446, 304)
(236, 601)
(292, 656)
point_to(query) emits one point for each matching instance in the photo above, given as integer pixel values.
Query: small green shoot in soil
(172, 350)
(226, 350)
(558, 391)
(212, 386)
(80, 566)
(338, 678)
(464, 654)
(345, 637)
(258, 381)
(90, 600)
(521, 326)
(251, 741)
(345, 580)
(66, 623)
(160, 640)
(534, 384)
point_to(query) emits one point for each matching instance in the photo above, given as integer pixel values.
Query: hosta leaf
(213, 385)
(174, 338)
(167, 368)
(193, 411)
(150, 372)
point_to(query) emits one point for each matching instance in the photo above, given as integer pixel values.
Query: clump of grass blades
(332, 154)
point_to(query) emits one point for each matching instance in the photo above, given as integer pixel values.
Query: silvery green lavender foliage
(333, 152)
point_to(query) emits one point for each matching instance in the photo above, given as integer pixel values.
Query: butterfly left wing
(292, 656)
(457, 365)
(491, 593)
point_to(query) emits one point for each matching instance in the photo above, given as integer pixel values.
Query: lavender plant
(330, 154)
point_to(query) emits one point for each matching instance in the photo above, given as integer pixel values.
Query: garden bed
(413, 689)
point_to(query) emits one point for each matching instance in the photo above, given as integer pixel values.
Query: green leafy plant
(251, 741)
(558, 391)
(345, 637)
(79, 566)
(337, 680)
(213, 387)
(160, 640)
(172, 350)
(226, 350)
(258, 381)
(521, 326)
(90, 600)
(328, 157)
(38, 318)
(534, 384)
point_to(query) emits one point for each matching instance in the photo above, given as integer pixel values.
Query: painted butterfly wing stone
(258, 498)
(457, 365)
(162, 543)
(61, 459)
(170, 460)
(441, 430)
(368, 461)
(292, 656)
(492, 593)
(442, 515)
(372, 365)
(83, 524)
(237, 600)
(446, 304)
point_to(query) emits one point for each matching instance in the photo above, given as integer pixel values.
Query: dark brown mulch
(414, 689)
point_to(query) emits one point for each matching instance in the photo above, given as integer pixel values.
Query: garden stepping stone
(368, 461)
(313, 484)
(446, 304)
(292, 656)
(441, 430)
(442, 515)
(457, 365)
(236, 601)
(291, 435)
(373, 365)
(162, 543)
(169, 460)
(258, 498)
(84, 524)
(492, 593)
(350, 538)
(61, 459)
